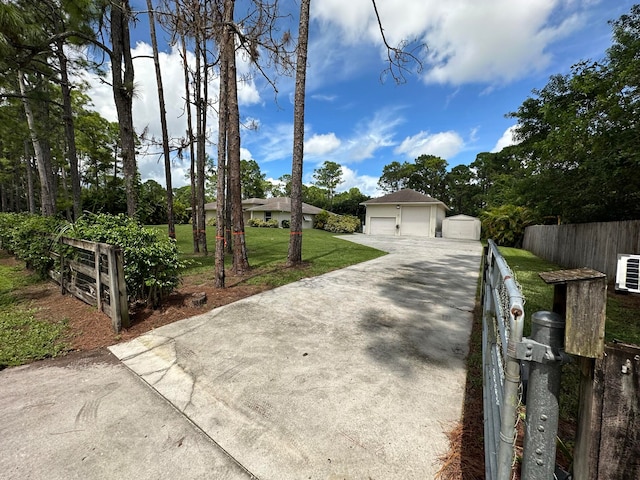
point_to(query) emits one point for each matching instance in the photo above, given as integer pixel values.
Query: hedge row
(256, 222)
(151, 264)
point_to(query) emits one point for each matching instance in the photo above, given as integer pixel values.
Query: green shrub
(505, 224)
(151, 264)
(8, 222)
(257, 222)
(342, 224)
(320, 220)
(30, 237)
(286, 224)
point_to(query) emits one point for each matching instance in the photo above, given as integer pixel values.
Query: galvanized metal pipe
(538, 461)
(508, 404)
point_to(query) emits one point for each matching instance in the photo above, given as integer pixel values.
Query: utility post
(546, 359)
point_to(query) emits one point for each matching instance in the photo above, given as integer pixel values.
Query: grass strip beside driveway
(23, 338)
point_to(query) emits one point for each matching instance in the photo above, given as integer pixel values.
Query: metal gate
(502, 323)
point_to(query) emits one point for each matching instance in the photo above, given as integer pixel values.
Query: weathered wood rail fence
(94, 273)
(591, 245)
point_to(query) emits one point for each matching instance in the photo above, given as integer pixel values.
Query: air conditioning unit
(627, 273)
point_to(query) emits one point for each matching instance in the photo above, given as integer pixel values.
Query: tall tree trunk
(47, 199)
(192, 156)
(31, 196)
(228, 240)
(200, 146)
(122, 81)
(163, 122)
(221, 197)
(240, 259)
(69, 131)
(65, 194)
(205, 108)
(294, 256)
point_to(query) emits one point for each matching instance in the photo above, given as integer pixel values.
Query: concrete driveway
(356, 374)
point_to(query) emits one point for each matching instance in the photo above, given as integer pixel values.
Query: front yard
(37, 322)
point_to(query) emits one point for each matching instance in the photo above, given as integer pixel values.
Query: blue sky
(484, 57)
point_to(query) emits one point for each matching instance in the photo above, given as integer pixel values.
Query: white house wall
(210, 215)
(412, 220)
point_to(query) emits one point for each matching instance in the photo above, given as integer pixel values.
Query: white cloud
(146, 112)
(367, 184)
(321, 144)
(444, 144)
(372, 134)
(272, 142)
(245, 154)
(494, 41)
(324, 97)
(506, 139)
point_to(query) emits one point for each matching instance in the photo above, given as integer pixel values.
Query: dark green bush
(505, 224)
(342, 224)
(30, 238)
(320, 220)
(8, 221)
(151, 263)
(256, 222)
(286, 224)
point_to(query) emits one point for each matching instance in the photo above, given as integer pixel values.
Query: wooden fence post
(117, 289)
(617, 416)
(63, 289)
(122, 288)
(96, 260)
(580, 295)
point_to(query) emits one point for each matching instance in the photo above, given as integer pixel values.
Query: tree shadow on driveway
(429, 316)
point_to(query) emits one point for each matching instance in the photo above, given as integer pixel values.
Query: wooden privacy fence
(94, 273)
(591, 245)
(612, 435)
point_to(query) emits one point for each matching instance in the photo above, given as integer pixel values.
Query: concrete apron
(354, 374)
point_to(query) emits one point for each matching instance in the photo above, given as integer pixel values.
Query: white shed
(404, 213)
(461, 227)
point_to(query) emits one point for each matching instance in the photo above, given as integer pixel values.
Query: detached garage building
(404, 213)
(461, 227)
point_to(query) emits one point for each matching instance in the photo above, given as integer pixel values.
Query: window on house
(267, 216)
(307, 218)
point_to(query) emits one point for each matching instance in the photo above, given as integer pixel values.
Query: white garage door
(382, 226)
(415, 221)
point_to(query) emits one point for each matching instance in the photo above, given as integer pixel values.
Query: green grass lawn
(23, 338)
(267, 251)
(623, 322)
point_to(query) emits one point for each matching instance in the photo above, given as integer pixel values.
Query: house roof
(406, 196)
(462, 217)
(249, 202)
(253, 201)
(283, 204)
